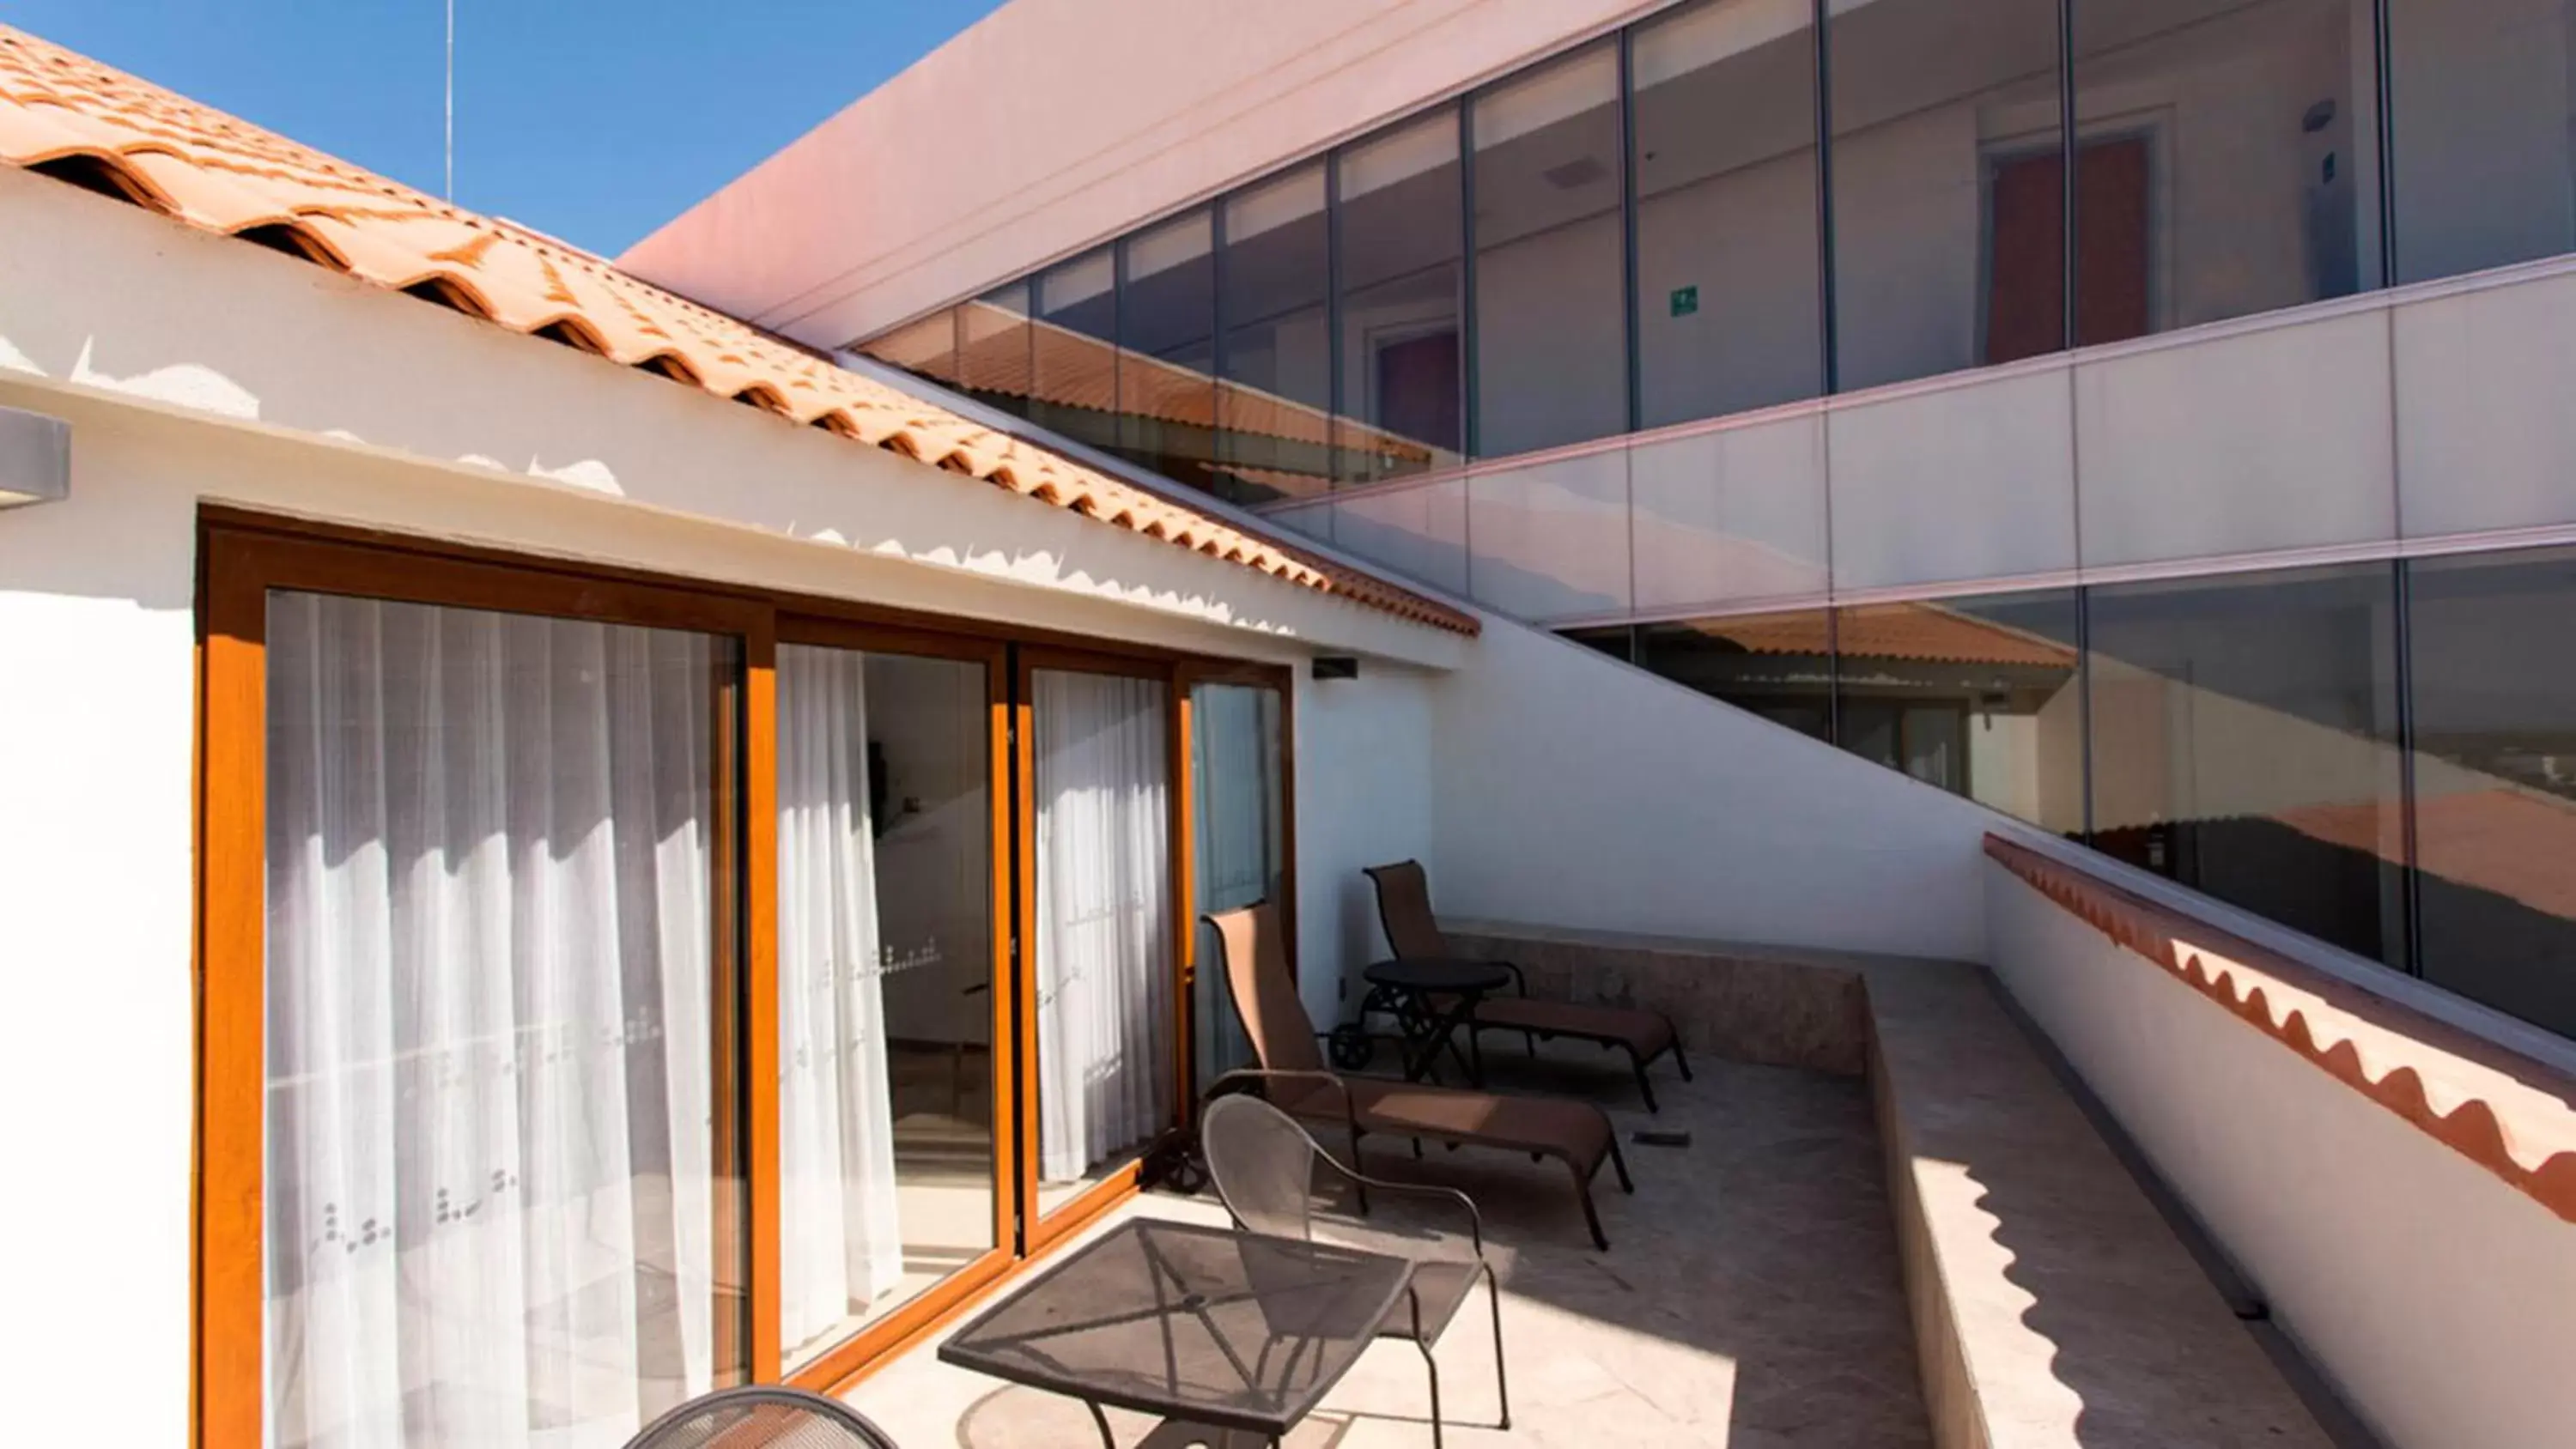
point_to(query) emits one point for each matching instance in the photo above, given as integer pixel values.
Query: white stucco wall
(1364, 797)
(193, 368)
(1574, 790)
(102, 301)
(2439, 1300)
(98, 1044)
(1055, 123)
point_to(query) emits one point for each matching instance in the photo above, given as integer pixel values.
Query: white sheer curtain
(839, 1241)
(1104, 968)
(489, 1186)
(1234, 770)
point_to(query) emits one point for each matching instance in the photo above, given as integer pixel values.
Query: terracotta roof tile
(2511, 1115)
(72, 117)
(1924, 633)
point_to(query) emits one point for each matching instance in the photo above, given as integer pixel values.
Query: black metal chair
(762, 1416)
(1263, 1166)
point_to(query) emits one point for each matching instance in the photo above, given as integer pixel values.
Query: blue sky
(594, 120)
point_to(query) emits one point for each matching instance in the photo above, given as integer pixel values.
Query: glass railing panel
(2485, 438)
(1315, 520)
(1970, 480)
(1550, 539)
(1419, 531)
(1730, 514)
(2273, 437)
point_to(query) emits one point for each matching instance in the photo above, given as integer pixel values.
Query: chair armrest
(1256, 1076)
(1520, 983)
(1475, 1219)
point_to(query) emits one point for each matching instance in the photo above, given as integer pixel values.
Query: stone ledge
(2053, 1306)
(2510, 1115)
(1759, 1004)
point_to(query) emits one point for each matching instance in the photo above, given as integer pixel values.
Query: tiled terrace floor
(1750, 1297)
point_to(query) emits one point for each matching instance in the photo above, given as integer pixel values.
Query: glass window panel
(1728, 309)
(1978, 696)
(1619, 641)
(2244, 744)
(1551, 309)
(927, 348)
(994, 339)
(1276, 399)
(1779, 666)
(2482, 132)
(1105, 978)
(1074, 359)
(1949, 221)
(1237, 787)
(885, 973)
(499, 1186)
(1167, 367)
(2493, 642)
(2227, 160)
(1402, 389)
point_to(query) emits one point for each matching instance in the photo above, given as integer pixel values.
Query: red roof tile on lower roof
(67, 115)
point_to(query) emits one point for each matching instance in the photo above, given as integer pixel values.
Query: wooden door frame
(240, 565)
(840, 1361)
(1283, 680)
(243, 554)
(1041, 1229)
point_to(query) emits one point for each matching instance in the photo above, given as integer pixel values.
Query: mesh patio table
(1210, 1326)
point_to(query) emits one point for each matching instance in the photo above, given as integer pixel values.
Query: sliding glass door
(615, 990)
(1102, 906)
(1239, 854)
(888, 1076)
(502, 1171)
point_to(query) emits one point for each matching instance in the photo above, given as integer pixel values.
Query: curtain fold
(489, 1127)
(1104, 966)
(840, 1246)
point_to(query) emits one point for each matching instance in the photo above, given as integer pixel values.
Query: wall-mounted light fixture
(1336, 666)
(35, 458)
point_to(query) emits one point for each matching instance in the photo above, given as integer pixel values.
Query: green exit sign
(1685, 301)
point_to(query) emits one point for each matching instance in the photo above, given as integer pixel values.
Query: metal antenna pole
(451, 100)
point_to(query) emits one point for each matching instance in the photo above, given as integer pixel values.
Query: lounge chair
(1293, 1076)
(1404, 910)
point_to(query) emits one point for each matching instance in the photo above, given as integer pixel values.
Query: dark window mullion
(1628, 225)
(1820, 52)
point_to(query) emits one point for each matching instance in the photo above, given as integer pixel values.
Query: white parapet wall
(2436, 1296)
(1576, 790)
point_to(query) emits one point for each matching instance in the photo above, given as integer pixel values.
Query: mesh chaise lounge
(1404, 910)
(1294, 1077)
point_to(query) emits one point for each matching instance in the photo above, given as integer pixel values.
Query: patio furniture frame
(706, 1413)
(1244, 1139)
(985, 1343)
(1404, 913)
(1293, 1076)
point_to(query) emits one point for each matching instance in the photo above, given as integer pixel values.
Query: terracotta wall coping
(2509, 1114)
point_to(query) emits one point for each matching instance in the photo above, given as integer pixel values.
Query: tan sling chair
(1404, 910)
(1294, 1076)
